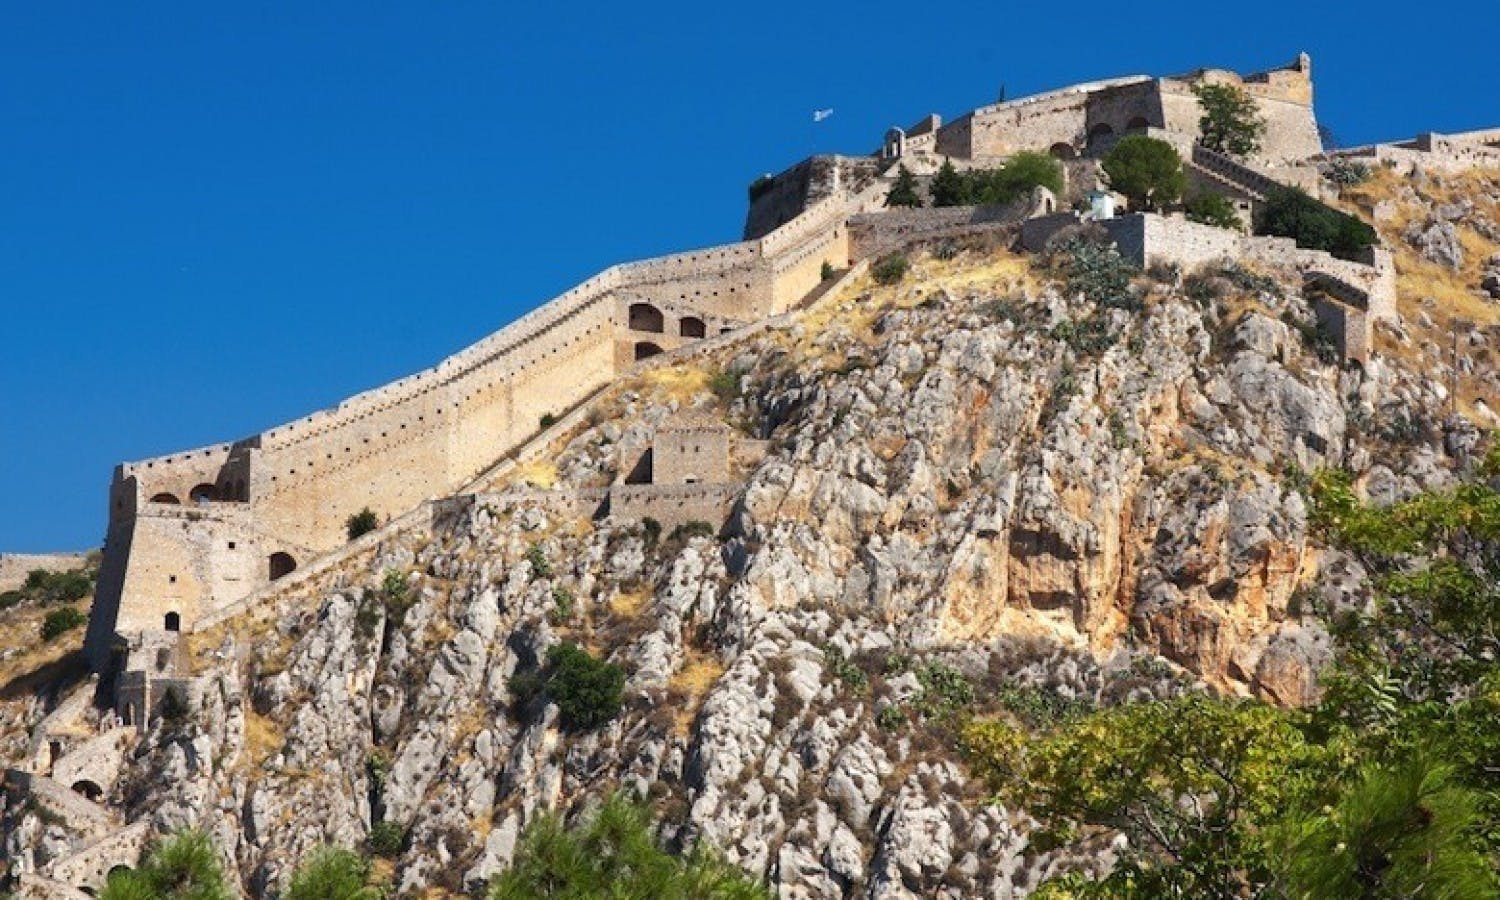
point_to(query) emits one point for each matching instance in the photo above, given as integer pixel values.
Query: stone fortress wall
(194, 533)
(1071, 121)
(15, 567)
(196, 530)
(1443, 152)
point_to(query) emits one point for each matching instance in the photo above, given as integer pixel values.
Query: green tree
(1231, 123)
(588, 691)
(185, 866)
(1210, 208)
(1292, 212)
(1016, 178)
(1402, 830)
(60, 621)
(332, 873)
(904, 191)
(361, 523)
(615, 854)
(890, 269)
(1146, 170)
(949, 188)
(1190, 782)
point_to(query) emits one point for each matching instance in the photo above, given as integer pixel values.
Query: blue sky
(213, 219)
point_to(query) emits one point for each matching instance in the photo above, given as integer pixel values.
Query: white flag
(821, 114)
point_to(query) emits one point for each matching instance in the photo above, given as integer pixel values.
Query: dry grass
(682, 383)
(540, 473)
(689, 686)
(630, 604)
(263, 739)
(23, 653)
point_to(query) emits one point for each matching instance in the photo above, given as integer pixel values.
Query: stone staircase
(1231, 173)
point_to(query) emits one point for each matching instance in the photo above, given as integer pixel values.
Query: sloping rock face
(957, 487)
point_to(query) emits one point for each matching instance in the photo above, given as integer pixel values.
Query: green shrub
(61, 621)
(1347, 172)
(1095, 269)
(890, 269)
(983, 187)
(587, 691)
(890, 717)
(727, 384)
(395, 594)
(386, 839)
(547, 420)
(695, 528)
(361, 523)
(1209, 208)
(904, 191)
(844, 669)
(562, 605)
(185, 866)
(332, 873)
(541, 567)
(650, 532)
(1146, 170)
(614, 853)
(11, 598)
(828, 271)
(1231, 122)
(1291, 212)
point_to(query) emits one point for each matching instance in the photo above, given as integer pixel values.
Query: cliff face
(978, 486)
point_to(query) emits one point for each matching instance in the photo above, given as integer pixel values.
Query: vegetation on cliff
(1388, 788)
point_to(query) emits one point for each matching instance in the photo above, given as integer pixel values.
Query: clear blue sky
(213, 219)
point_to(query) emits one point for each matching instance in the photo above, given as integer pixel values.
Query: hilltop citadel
(199, 535)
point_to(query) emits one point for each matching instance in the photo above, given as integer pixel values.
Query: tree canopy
(615, 854)
(904, 191)
(1231, 123)
(1146, 170)
(1292, 212)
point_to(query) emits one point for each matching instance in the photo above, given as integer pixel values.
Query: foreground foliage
(982, 187)
(1389, 788)
(1231, 123)
(1292, 212)
(614, 854)
(332, 873)
(1147, 171)
(185, 866)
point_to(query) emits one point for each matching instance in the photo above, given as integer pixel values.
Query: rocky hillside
(996, 485)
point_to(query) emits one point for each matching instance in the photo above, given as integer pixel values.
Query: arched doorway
(174, 622)
(1099, 132)
(1139, 123)
(282, 564)
(1062, 150)
(203, 493)
(645, 350)
(165, 497)
(645, 317)
(88, 789)
(691, 327)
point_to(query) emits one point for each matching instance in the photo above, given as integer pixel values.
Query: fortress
(201, 535)
(195, 533)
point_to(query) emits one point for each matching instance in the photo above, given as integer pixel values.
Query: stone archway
(173, 621)
(281, 564)
(203, 493)
(692, 327)
(1062, 150)
(645, 317)
(88, 789)
(645, 350)
(166, 497)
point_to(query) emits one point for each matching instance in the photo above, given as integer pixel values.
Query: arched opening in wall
(645, 350)
(1099, 132)
(282, 565)
(203, 493)
(88, 789)
(1139, 123)
(645, 317)
(1061, 150)
(116, 870)
(165, 497)
(174, 622)
(692, 327)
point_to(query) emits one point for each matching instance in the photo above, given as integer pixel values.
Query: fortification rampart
(15, 567)
(1440, 152)
(195, 532)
